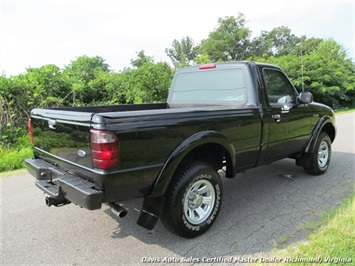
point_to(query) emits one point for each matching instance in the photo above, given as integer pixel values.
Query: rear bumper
(62, 186)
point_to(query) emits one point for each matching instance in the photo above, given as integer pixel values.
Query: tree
(327, 72)
(277, 42)
(229, 41)
(38, 87)
(283, 41)
(333, 75)
(46, 85)
(6, 103)
(306, 46)
(147, 82)
(82, 74)
(141, 59)
(182, 53)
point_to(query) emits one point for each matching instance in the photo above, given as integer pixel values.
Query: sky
(36, 33)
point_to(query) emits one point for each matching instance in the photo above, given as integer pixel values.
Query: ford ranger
(218, 117)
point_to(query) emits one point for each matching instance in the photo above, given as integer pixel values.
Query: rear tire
(193, 200)
(320, 158)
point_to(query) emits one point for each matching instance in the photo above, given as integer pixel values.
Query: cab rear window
(210, 86)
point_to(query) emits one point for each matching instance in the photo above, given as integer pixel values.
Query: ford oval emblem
(81, 153)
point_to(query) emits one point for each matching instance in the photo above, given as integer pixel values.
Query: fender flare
(325, 122)
(154, 201)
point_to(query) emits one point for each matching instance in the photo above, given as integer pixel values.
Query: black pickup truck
(218, 117)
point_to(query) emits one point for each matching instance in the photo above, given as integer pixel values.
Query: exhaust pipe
(117, 209)
(56, 202)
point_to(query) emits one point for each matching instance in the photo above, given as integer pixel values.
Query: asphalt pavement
(272, 206)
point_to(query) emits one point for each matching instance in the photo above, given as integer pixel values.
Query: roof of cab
(221, 65)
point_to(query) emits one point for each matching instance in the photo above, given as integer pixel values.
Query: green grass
(12, 159)
(344, 110)
(335, 239)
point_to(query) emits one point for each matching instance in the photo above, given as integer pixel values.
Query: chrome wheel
(193, 200)
(323, 154)
(199, 201)
(317, 162)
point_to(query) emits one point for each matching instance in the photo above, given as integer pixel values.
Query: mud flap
(304, 161)
(150, 213)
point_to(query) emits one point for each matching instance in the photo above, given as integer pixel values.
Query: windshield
(225, 85)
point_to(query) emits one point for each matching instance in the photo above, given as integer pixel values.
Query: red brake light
(30, 131)
(104, 149)
(207, 66)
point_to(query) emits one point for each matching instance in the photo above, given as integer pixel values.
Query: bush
(15, 147)
(14, 137)
(12, 159)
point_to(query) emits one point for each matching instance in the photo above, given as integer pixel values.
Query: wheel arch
(213, 143)
(325, 124)
(208, 146)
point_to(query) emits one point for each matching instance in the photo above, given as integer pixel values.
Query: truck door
(289, 122)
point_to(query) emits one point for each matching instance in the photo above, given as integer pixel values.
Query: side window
(278, 87)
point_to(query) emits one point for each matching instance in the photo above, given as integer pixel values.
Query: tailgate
(62, 136)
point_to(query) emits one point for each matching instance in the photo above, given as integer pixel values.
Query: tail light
(104, 149)
(30, 131)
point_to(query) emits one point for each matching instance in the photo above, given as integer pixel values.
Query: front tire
(320, 158)
(193, 200)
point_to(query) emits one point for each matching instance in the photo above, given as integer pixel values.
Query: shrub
(12, 159)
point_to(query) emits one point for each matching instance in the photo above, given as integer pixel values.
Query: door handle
(285, 109)
(277, 118)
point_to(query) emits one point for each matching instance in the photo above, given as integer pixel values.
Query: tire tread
(177, 182)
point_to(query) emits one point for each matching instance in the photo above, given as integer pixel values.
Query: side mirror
(305, 97)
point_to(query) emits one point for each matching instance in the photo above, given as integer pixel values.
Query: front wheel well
(330, 130)
(212, 153)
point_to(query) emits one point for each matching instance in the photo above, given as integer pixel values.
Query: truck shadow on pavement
(271, 206)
